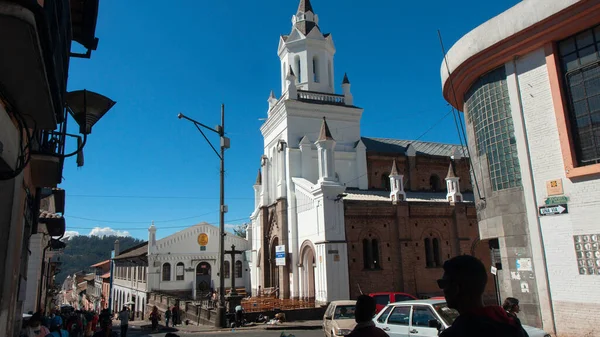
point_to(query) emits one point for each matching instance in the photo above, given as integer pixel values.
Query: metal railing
(319, 97)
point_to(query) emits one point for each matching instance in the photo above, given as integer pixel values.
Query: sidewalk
(300, 325)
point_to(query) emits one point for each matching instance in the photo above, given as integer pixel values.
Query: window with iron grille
(488, 110)
(580, 66)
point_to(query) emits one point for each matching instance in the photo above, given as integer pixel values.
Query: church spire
(305, 6)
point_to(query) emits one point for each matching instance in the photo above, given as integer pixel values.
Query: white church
(305, 170)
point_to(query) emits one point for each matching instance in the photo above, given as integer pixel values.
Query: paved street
(246, 333)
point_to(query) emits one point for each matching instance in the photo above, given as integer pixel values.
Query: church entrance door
(308, 273)
(274, 272)
(202, 279)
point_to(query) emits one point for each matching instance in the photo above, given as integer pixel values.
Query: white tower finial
(326, 156)
(396, 185)
(452, 184)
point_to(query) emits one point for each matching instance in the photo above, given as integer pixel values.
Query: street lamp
(224, 144)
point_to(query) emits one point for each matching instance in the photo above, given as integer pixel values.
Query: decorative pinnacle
(346, 80)
(305, 6)
(325, 134)
(451, 173)
(394, 169)
(258, 178)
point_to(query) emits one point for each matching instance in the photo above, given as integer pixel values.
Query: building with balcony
(101, 272)
(336, 212)
(34, 107)
(527, 82)
(130, 272)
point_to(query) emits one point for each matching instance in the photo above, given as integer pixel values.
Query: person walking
(168, 317)
(105, 326)
(35, 328)
(511, 306)
(154, 317)
(124, 318)
(363, 315)
(56, 329)
(463, 284)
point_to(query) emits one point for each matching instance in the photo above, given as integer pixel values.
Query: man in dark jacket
(363, 315)
(463, 284)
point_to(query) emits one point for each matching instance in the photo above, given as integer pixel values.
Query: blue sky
(156, 59)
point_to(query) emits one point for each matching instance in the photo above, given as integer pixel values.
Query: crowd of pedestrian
(62, 323)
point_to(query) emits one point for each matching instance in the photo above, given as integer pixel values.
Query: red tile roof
(106, 275)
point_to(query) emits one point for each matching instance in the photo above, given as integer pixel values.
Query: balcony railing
(319, 97)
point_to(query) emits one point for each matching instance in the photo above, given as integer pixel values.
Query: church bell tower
(308, 52)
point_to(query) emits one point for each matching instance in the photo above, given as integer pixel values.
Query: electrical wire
(454, 113)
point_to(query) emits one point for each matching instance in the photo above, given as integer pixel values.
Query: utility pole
(224, 144)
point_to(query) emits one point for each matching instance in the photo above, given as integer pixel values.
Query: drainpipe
(535, 197)
(39, 299)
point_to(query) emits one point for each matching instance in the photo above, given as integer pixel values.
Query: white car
(412, 319)
(339, 318)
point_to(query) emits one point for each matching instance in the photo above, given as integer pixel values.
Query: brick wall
(379, 165)
(400, 231)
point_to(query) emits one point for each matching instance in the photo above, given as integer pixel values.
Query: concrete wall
(573, 294)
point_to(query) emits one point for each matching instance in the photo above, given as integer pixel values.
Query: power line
(150, 197)
(165, 227)
(139, 222)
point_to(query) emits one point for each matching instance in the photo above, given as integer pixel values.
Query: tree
(241, 230)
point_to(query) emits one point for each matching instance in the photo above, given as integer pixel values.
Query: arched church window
(226, 269)
(238, 269)
(179, 272)
(385, 181)
(315, 66)
(436, 252)
(434, 183)
(166, 272)
(298, 69)
(371, 254)
(428, 253)
(432, 253)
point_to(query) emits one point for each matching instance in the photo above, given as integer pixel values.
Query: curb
(258, 327)
(294, 327)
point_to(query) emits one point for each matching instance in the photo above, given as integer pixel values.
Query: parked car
(339, 318)
(384, 298)
(416, 318)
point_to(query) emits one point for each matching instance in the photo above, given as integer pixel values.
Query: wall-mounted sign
(556, 200)
(280, 255)
(494, 270)
(203, 239)
(336, 258)
(553, 210)
(332, 251)
(524, 265)
(554, 187)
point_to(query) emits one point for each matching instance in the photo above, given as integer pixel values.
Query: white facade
(130, 287)
(564, 248)
(192, 268)
(307, 170)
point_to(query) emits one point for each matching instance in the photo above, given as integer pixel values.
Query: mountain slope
(83, 251)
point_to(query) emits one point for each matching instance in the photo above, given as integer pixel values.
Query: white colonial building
(186, 263)
(312, 152)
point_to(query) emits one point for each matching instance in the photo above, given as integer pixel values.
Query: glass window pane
(584, 39)
(566, 46)
(588, 55)
(421, 316)
(400, 316)
(385, 314)
(570, 62)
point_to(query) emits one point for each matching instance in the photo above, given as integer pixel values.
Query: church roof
(325, 133)
(387, 145)
(384, 196)
(135, 251)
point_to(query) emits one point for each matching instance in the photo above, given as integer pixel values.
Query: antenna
(360, 290)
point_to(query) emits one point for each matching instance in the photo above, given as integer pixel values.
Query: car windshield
(447, 314)
(344, 312)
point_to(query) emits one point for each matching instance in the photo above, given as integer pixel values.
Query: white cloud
(107, 231)
(70, 234)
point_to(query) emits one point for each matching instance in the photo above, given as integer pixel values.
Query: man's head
(35, 320)
(365, 308)
(463, 282)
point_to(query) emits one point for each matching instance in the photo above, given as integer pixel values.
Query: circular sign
(203, 239)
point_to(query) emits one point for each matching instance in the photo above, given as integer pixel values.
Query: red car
(384, 298)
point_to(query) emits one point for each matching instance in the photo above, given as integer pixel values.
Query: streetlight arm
(180, 116)
(79, 147)
(208, 141)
